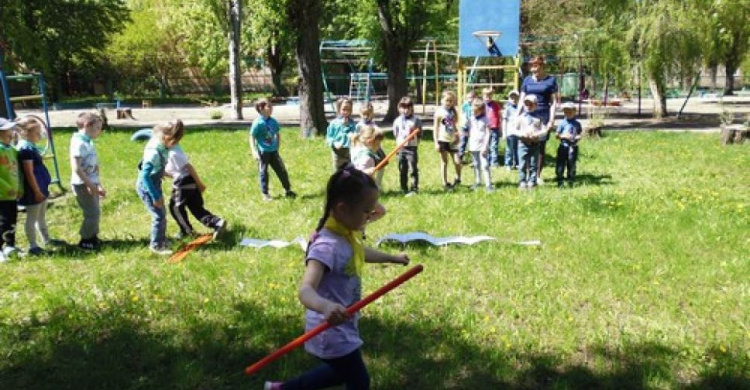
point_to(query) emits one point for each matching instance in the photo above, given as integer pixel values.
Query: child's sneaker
(490, 189)
(290, 194)
(87, 244)
(272, 386)
(266, 197)
(539, 181)
(522, 185)
(54, 242)
(411, 193)
(3, 259)
(161, 250)
(220, 228)
(10, 252)
(36, 251)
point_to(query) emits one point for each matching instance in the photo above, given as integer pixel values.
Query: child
(187, 193)
(446, 138)
(36, 180)
(265, 139)
(465, 115)
(511, 141)
(84, 177)
(333, 281)
(9, 190)
(569, 132)
(493, 113)
(150, 174)
(366, 114)
(479, 140)
(337, 136)
(367, 142)
(529, 130)
(408, 158)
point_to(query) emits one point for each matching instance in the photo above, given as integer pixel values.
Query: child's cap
(530, 98)
(6, 124)
(568, 106)
(513, 93)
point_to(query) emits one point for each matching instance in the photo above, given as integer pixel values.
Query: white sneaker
(160, 250)
(10, 252)
(220, 228)
(539, 181)
(3, 259)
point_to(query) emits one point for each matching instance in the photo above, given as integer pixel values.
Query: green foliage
(641, 280)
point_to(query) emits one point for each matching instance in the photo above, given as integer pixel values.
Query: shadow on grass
(117, 348)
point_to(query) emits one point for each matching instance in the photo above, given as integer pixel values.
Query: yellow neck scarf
(354, 237)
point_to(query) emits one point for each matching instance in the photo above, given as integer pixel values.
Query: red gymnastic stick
(325, 325)
(394, 151)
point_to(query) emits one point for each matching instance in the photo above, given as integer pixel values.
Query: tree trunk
(397, 85)
(235, 76)
(303, 17)
(730, 67)
(276, 63)
(713, 70)
(657, 91)
(418, 85)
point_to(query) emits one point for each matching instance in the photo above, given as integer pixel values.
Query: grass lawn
(641, 281)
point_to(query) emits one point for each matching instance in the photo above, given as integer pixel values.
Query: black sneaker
(87, 244)
(290, 194)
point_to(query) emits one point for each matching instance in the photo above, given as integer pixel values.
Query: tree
(146, 53)
(36, 36)
(727, 37)
(210, 35)
(304, 16)
(270, 36)
(402, 24)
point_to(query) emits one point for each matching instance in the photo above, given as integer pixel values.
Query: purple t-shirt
(339, 284)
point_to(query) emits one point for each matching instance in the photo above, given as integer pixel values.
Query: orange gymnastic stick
(325, 325)
(394, 151)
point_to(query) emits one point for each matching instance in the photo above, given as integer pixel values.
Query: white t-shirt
(177, 163)
(448, 124)
(479, 133)
(83, 147)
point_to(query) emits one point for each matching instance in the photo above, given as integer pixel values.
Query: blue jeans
(566, 158)
(511, 151)
(349, 370)
(494, 147)
(158, 217)
(463, 140)
(528, 155)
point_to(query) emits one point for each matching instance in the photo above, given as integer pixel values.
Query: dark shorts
(447, 147)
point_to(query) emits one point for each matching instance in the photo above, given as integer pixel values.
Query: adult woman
(544, 87)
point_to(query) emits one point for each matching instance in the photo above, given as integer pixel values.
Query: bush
(216, 114)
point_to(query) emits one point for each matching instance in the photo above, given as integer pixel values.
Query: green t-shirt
(10, 180)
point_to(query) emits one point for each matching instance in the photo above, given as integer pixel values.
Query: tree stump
(593, 131)
(733, 134)
(125, 113)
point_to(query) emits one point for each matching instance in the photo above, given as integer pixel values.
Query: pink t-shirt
(492, 109)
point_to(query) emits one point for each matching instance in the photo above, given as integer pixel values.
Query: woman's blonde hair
(172, 132)
(367, 134)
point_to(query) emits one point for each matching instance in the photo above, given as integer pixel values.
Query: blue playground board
(498, 15)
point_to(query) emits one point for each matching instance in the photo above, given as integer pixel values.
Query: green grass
(641, 281)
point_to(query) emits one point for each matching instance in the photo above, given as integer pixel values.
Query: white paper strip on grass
(256, 243)
(440, 241)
